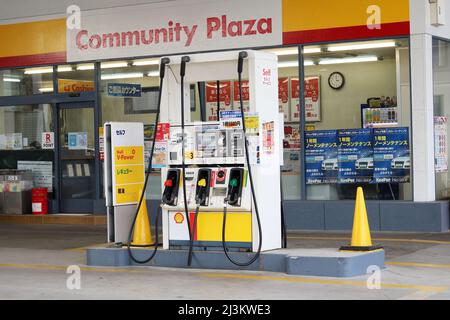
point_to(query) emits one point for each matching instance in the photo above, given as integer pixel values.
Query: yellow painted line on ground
(82, 249)
(421, 241)
(52, 267)
(374, 239)
(321, 281)
(418, 265)
(103, 245)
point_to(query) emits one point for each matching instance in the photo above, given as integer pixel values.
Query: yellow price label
(128, 193)
(129, 155)
(252, 122)
(129, 174)
(189, 155)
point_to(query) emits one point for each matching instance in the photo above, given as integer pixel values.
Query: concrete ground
(34, 261)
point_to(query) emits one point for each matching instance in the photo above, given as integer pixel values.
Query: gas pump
(223, 204)
(218, 179)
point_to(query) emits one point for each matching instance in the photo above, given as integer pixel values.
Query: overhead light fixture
(294, 64)
(351, 47)
(294, 51)
(312, 50)
(110, 65)
(122, 76)
(104, 65)
(83, 67)
(64, 68)
(151, 62)
(284, 52)
(9, 79)
(39, 70)
(47, 70)
(288, 64)
(153, 74)
(348, 60)
(44, 90)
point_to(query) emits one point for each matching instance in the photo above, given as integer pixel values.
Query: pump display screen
(213, 142)
(207, 140)
(207, 143)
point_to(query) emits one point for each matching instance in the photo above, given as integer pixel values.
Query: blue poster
(391, 155)
(72, 137)
(124, 90)
(356, 162)
(321, 157)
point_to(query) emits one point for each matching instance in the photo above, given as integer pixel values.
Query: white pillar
(422, 117)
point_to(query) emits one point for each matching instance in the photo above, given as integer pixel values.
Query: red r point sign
(48, 140)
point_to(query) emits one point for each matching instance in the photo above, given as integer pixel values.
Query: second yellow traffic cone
(142, 235)
(361, 239)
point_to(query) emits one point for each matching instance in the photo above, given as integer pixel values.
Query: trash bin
(39, 202)
(17, 192)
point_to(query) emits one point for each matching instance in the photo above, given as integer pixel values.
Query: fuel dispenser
(232, 170)
(220, 183)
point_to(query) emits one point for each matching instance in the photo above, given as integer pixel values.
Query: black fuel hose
(242, 56)
(191, 241)
(162, 72)
(184, 61)
(218, 100)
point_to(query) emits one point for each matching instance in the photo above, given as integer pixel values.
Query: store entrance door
(77, 175)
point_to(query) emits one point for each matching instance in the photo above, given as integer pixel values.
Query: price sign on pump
(127, 162)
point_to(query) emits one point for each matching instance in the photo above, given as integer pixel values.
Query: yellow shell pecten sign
(179, 218)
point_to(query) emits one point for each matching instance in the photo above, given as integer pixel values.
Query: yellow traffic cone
(142, 235)
(361, 239)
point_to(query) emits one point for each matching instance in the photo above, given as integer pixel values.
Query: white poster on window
(283, 98)
(211, 99)
(77, 140)
(2, 142)
(14, 141)
(42, 172)
(312, 99)
(245, 96)
(441, 144)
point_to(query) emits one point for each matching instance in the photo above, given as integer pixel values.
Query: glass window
(129, 92)
(22, 82)
(357, 101)
(21, 127)
(76, 78)
(77, 152)
(441, 83)
(289, 101)
(27, 141)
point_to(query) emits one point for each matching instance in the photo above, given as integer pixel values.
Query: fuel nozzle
(168, 183)
(201, 188)
(231, 185)
(171, 185)
(202, 183)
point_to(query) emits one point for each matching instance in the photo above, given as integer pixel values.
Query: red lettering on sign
(174, 32)
(236, 28)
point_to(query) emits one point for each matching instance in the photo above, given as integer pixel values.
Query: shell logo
(179, 218)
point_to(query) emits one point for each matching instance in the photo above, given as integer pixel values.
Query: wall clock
(336, 80)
